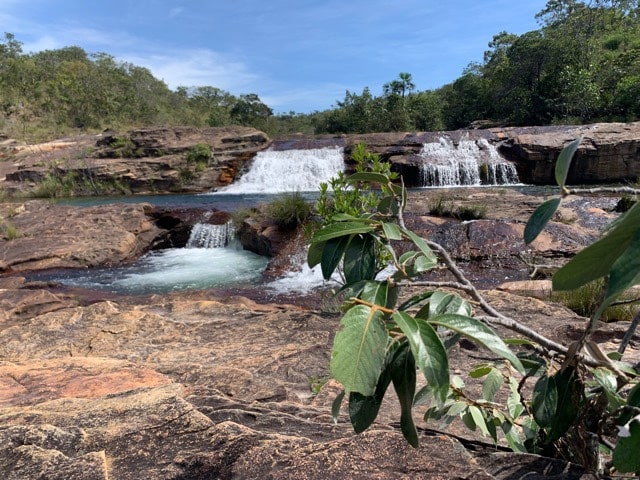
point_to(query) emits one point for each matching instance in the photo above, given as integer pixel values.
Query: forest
(581, 66)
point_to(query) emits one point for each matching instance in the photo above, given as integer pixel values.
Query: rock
(61, 236)
(607, 154)
(150, 160)
(185, 389)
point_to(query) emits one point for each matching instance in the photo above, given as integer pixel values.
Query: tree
(249, 110)
(403, 85)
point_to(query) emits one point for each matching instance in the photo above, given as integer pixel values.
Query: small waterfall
(277, 171)
(470, 162)
(205, 235)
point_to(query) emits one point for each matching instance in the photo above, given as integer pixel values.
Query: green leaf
(363, 410)
(479, 333)
(469, 420)
(335, 406)
(625, 455)
(569, 390)
(633, 400)
(415, 300)
(404, 382)
(625, 272)
(314, 255)
(341, 229)
(428, 351)
(545, 401)
(480, 371)
(442, 303)
(359, 350)
(391, 231)
(380, 293)
(491, 385)
(421, 244)
(360, 259)
(388, 205)
(479, 420)
(539, 219)
(564, 161)
(514, 401)
(596, 260)
(513, 438)
(423, 264)
(334, 249)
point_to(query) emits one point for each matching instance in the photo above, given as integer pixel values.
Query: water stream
(279, 171)
(469, 162)
(213, 258)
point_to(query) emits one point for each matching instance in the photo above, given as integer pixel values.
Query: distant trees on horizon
(581, 66)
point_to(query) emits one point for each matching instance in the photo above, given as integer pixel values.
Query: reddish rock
(61, 236)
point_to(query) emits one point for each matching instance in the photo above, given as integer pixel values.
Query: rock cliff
(150, 160)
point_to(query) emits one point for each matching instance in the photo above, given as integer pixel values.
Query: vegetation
(574, 402)
(582, 65)
(199, 153)
(289, 210)
(444, 207)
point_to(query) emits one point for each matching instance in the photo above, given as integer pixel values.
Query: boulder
(60, 236)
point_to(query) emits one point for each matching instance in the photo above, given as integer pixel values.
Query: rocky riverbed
(205, 384)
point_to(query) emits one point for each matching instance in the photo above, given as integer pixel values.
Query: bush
(444, 207)
(199, 153)
(573, 401)
(289, 210)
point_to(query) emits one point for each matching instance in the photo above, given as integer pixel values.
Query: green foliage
(200, 153)
(289, 210)
(585, 301)
(577, 394)
(445, 207)
(9, 231)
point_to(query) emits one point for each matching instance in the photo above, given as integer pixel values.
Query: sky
(299, 56)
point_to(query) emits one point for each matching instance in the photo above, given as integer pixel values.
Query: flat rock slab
(194, 388)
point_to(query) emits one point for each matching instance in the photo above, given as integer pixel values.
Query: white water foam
(174, 269)
(205, 235)
(449, 164)
(278, 171)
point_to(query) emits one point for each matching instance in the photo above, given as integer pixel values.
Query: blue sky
(296, 55)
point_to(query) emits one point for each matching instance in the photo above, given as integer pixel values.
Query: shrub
(9, 231)
(444, 207)
(289, 210)
(199, 153)
(543, 397)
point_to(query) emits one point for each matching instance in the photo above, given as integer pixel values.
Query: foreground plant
(580, 395)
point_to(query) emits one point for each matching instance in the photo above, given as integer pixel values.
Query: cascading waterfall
(277, 171)
(205, 235)
(470, 162)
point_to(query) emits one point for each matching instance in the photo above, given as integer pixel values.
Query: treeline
(581, 66)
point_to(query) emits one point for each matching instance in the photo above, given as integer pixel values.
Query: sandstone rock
(186, 389)
(153, 162)
(59, 236)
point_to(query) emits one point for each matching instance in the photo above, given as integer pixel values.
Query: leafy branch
(382, 341)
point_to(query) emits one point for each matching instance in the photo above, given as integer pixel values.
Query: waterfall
(205, 235)
(276, 171)
(470, 162)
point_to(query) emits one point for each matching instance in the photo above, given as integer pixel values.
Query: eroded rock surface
(177, 388)
(150, 160)
(59, 236)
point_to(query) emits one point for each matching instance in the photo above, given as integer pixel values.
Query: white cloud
(196, 67)
(174, 12)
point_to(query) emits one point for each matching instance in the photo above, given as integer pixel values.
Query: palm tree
(403, 85)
